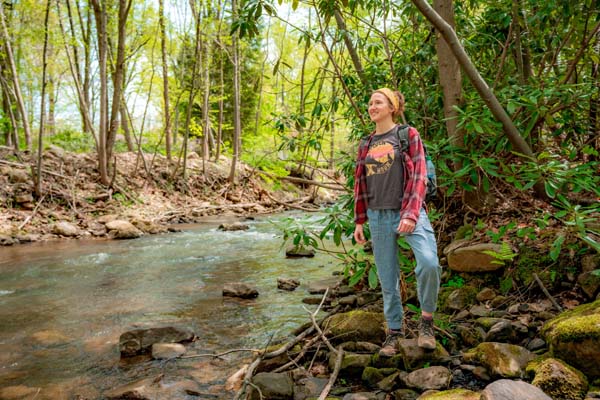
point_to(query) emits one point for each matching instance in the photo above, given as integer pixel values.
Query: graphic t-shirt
(383, 167)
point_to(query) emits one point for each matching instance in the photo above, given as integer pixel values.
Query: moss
(578, 324)
(560, 381)
(454, 394)
(535, 363)
(530, 261)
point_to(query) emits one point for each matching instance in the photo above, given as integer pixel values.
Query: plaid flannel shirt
(415, 179)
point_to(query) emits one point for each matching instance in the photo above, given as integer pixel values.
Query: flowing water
(63, 306)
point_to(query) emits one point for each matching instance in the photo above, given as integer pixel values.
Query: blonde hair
(396, 101)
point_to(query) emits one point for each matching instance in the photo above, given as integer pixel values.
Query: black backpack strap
(402, 132)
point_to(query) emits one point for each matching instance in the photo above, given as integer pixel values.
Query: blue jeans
(383, 225)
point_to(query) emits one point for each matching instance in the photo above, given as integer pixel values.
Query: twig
(32, 213)
(292, 205)
(548, 295)
(334, 374)
(316, 325)
(220, 354)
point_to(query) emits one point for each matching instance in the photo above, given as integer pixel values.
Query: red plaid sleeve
(360, 183)
(415, 177)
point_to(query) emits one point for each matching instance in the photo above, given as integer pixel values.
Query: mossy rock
(454, 394)
(559, 380)
(460, 298)
(356, 325)
(501, 359)
(352, 364)
(372, 375)
(269, 364)
(574, 336)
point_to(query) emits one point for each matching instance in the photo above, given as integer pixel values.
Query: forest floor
(143, 192)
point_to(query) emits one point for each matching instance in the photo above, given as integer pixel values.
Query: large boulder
(506, 389)
(574, 336)
(501, 359)
(474, 258)
(121, 229)
(559, 380)
(275, 386)
(414, 357)
(239, 289)
(139, 341)
(356, 325)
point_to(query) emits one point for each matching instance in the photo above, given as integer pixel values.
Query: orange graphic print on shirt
(380, 158)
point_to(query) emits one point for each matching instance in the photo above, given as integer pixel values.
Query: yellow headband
(391, 97)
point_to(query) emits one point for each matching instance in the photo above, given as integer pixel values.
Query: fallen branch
(296, 207)
(334, 374)
(219, 355)
(338, 186)
(548, 295)
(32, 213)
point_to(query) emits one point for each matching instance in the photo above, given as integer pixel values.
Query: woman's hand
(359, 234)
(405, 226)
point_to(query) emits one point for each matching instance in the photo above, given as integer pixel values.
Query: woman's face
(380, 108)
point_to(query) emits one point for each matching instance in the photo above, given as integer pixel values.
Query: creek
(63, 305)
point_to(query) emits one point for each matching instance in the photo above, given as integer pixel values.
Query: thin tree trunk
(165, 71)
(13, 133)
(51, 115)
(38, 173)
(339, 19)
(100, 16)
(118, 78)
(15, 78)
(450, 78)
(515, 138)
(237, 126)
(125, 127)
(206, 107)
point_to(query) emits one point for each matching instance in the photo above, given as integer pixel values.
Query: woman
(389, 192)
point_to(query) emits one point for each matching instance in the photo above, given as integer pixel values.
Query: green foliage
(504, 255)
(455, 282)
(72, 140)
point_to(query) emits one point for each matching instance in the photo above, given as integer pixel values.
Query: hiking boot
(389, 347)
(426, 339)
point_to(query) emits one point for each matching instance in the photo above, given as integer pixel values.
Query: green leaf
(373, 279)
(556, 247)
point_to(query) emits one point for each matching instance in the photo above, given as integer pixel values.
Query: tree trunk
(118, 78)
(12, 134)
(51, 115)
(125, 127)
(450, 78)
(339, 19)
(38, 172)
(15, 78)
(101, 17)
(206, 107)
(515, 138)
(165, 71)
(237, 125)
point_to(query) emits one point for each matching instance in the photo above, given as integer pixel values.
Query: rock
(559, 380)
(361, 396)
(590, 262)
(574, 336)
(18, 176)
(357, 325)
(236, 226)
(404, 394)
(23, 198)
(139, 341)
(487, 322)
(287, 284)
(388, 383)
(436, 378)
(486, 294)
(269, 364)
(239, 289)
(309, 387)
(479, 311)
(590, 284)
(104, 219)
(361, 347)
(500, 359)
(502, 331)
(481, 373)
(319, 287)
(506, 389)
(353, 364)
(18, 392)
(415, 357)
(499, 301)
(299, 251)
(348, 300)
(473, 259)
(49, 338)
(536, 344)
(138, 390)
(64, 228)
(167, 350)
(371, 375)
(460, 298)
(272, 386)
(235, 381)
(121, 229)
(148, 226)
(313, 300)
(6, 240)
(454, 394)
(470, 336)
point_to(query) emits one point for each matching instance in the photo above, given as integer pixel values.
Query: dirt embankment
(144, 192)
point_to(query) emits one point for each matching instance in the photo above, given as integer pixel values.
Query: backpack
(430, 193)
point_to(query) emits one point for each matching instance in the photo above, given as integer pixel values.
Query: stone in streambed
(236, 226)
(353, 364)
(239, 289)
(506, 389)
(454, 394)
(299, 251)
(121, 229)
(272, 386)
(356, 325)
(288, 284)
(436, 377)
(64, 228)
(500, 359)
(167, 350)
(139, 390)
(140, 341)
